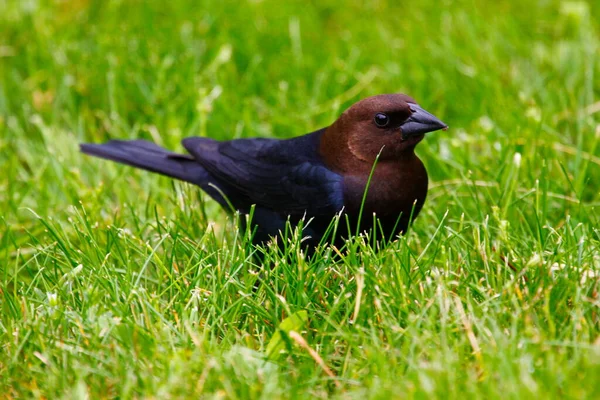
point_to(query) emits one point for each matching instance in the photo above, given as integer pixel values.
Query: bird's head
(390, 124)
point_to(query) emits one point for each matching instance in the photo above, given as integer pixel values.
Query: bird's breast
(395, 188)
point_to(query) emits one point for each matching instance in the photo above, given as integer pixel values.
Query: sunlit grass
(119, 283)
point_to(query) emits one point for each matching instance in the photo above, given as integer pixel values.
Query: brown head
(390, 124)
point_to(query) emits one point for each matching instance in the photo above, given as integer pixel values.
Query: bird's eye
(381, 120)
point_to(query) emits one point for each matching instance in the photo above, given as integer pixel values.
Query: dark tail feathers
(147, 155)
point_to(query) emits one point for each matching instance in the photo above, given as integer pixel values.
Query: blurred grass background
(119, 283)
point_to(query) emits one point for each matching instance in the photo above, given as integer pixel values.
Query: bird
(361, 169)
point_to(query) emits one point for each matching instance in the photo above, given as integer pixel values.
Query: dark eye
(381, 120)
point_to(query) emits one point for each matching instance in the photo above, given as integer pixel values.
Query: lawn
(115, 282)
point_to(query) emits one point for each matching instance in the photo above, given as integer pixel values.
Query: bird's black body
(281, 178)
(311, 177)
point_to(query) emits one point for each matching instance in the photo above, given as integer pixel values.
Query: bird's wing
(274, 174)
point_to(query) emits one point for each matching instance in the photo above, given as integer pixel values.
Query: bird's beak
(421, 122)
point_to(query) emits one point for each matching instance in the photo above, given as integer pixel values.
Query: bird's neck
(342, 158)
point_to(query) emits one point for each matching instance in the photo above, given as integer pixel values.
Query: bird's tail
(147, 155)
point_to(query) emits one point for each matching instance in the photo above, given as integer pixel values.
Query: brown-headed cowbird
(312, 177)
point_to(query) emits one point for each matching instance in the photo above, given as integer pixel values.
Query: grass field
(115, 282)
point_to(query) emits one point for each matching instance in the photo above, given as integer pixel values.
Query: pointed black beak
(421, 122)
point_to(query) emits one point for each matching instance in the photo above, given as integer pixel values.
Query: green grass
(118, 283)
